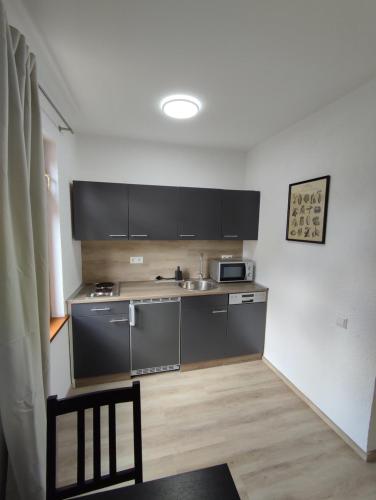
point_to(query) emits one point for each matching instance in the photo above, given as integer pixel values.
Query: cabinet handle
(124, 320)
(219, 311)
(187, 235)
(101, 309)
(118, 235)
(132, 315)
(231, 236)
(139, 235)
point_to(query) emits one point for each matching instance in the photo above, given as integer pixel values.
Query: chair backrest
(94, 401)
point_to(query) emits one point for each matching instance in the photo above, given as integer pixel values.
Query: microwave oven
(231, 270)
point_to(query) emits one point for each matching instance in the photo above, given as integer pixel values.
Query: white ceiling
(257, 65)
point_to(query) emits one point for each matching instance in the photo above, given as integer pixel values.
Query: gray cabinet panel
(246, 329)
(100, 345)
(153, 212)
(203, 330)
(240, 214)
(199, 214)
(100, 308)
(100, 210)
(155, 336)
(208, 301)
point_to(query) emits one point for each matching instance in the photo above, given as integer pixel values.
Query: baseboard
(219, 362)
(366, 456)
(371, 456)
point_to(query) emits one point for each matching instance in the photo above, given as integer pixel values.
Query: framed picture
(307, 210)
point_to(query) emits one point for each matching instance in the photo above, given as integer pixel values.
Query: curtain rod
(67, 126)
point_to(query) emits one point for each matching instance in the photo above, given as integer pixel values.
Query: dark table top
(214, 483)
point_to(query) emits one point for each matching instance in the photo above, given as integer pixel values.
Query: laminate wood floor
(244, 415)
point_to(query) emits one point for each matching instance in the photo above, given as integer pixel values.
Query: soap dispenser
(178, 274)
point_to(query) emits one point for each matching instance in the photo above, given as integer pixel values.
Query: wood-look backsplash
(110, 260)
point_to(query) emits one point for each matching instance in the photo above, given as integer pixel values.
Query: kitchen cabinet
(246, 329)
(100, 210)
(155, 335)
(240, 215)
(100, 339)
(203, 328)
(199, 214)
(105, 211)
(153, 212)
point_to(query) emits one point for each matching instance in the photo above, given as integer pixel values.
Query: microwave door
(233, 272)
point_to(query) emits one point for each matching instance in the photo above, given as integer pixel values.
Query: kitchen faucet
(201, 273)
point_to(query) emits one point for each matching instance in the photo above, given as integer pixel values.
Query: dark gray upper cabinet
(240, 215)
(153, 212)
(203, 328)
(100, 210)
(199, 214)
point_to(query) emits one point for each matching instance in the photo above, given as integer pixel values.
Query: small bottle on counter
(178, 274)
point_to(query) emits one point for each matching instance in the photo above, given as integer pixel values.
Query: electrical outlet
(136, 260)
(342, 322)
(226, 256)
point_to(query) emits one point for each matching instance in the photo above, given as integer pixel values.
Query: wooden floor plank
(276, 446)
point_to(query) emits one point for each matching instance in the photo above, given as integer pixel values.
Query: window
(57, 306)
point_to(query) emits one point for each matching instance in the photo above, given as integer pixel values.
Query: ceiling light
(180, 106)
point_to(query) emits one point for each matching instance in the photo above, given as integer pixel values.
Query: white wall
(66, 160)
(372, 425)
(311, 284)
(111, 159)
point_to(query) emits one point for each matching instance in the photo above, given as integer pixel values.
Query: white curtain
(24, 303)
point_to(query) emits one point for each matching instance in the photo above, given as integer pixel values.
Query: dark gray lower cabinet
(203, 328)
(246, 329)
(100, 344)
(154, 335)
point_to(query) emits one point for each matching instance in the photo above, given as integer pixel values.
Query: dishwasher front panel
(246, 329)
(155, 336)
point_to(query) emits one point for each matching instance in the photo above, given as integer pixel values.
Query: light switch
(342, 322)
(137, 260)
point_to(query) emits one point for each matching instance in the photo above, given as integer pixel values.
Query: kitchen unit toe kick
(185, 367)
(103, 379)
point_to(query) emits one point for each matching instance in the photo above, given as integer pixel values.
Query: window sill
(56, 324)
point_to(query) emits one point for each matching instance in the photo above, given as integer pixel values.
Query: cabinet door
(153, 212)
(199, 214)
(100, 211)
(246, 329)
(100, 345)
(240, 215)
(155, 335)
(203, 328)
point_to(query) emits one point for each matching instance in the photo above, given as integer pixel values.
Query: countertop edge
(179, 292)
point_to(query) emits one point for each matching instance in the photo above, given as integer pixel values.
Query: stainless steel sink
(199, 285)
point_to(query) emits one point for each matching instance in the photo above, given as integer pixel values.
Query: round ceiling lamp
(180, 107)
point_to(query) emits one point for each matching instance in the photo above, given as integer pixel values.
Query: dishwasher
(154, 335)
(246, 323)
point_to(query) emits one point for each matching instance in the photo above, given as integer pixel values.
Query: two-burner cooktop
(104, 289)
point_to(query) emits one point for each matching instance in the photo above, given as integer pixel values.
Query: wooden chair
(79, 404)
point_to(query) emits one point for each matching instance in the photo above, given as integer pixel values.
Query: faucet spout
(201, 273)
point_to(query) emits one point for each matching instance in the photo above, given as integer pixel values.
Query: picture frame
(307, 210)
